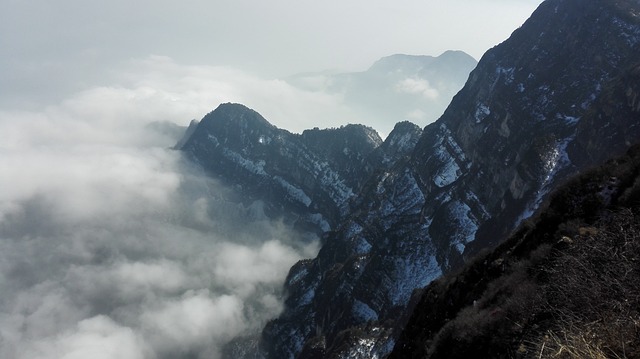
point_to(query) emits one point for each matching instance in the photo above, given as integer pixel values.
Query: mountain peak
(402, 140)
(350, 132)
(417, 62)
(235, 112)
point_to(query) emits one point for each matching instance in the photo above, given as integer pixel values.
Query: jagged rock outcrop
(308, 179)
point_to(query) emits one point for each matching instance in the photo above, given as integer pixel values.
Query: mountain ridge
(299, 177)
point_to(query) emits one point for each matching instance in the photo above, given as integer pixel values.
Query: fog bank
(112, 246)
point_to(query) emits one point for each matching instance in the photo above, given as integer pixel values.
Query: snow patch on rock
(363, 312)
(361, 246)
(320, 221)
(409, 273)
(294, 192)
(449, 153)
(253, 167)
(482, 112)
(448, 173)
(555, 160)
(466, 224)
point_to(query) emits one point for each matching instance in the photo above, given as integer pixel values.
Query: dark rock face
(309, 179)
(557, 97)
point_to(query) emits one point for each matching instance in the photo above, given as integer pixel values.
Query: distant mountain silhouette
(397, 87)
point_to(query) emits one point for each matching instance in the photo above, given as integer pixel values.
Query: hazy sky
(51, 49)
(278, 37)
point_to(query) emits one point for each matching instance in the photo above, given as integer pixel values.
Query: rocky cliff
(559, 96)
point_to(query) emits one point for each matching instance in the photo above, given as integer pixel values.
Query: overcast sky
(51, 49)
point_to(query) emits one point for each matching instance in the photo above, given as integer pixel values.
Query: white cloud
(416, 115)
(111, 245)
(419, 87)
(244, 268)
(197, 322)
(158, 89)
(192, 91)
(98, 337)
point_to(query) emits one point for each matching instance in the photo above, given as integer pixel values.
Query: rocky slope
(565, 285)
(560, 95)
(308, 179)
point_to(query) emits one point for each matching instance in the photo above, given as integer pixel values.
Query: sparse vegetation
(594, 292)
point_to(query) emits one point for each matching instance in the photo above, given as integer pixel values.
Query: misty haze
(113, 244)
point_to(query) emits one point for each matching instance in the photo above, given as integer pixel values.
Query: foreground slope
(567, 284)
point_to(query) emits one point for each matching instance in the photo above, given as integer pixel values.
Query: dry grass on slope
(593, 292)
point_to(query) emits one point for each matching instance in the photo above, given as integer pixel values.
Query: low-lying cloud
(112, 245)
(419, 87)
(156, 88)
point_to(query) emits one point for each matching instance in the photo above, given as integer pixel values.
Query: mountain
(568, 281)
(558, 97)
(397, 87)
(531, 114)
(308, 179)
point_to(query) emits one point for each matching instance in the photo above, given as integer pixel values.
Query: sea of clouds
(112, 245)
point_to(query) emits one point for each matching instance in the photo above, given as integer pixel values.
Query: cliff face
(560, 95)
(528, 116)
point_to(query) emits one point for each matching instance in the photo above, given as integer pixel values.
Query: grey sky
(278, 36)
(54, 47)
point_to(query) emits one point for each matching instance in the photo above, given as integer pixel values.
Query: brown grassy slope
(565, 285)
